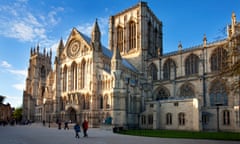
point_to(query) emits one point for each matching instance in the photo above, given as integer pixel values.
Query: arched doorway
(72, 115)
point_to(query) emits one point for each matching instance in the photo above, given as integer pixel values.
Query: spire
(116, 54)
(204, 40)
(233, 18)
(51, 53)
(31, 51)
(38, 48)
(116, 60)
(233, 22)
(60, 48)
(180, 46)
(44, 51)
(96, 34)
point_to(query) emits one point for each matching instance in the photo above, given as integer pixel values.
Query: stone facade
(5, 112)
(132, 83)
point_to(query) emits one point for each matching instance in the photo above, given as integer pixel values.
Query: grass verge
(184, 134)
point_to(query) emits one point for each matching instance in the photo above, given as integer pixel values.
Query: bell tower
(137, 33)
(38, 70)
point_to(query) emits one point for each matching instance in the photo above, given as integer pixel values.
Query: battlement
(36, 52)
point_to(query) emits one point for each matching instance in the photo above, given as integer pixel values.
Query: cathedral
(131, 83)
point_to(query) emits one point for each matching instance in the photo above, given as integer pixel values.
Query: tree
(17, 114)
(232, 67)
(1, 99)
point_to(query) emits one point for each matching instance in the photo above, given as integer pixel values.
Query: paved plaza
(37, 134)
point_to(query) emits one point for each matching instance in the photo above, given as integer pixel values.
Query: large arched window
(218, 59)
(83, 102)
(64, 78)
(162, 93)
(191, 64)
(150, 40)
(169, 69)
(74, 76)
(186, 91)
(83, 74)
(153, 71)
(120, 38)
(87, 102)
(43, 72)
(132, 35)
(101, 102)
(106, 102)
(218, 93)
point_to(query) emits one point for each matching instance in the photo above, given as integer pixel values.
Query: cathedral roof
(85, 37)
(108, 53)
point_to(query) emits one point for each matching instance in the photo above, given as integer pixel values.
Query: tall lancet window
(169, 69)
(218, 59)
(150, 39)
(218, 93)
(43, 72)
(120, 38)
(191, 64)
(153, 71)
(132, 35)
(83, 74)
(64, 81)
(74, 76)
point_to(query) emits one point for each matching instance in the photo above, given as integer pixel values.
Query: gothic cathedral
(131, 83)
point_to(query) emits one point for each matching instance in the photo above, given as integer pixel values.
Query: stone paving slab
(37, 134)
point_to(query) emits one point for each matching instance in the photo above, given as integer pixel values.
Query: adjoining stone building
(5, 111)
(132, 82)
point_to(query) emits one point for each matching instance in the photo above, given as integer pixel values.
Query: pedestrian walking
(85, 128)
(77, 130)
(43, 122)
(59, 125)
(66, 125)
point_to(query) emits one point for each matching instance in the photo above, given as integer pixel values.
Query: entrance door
(73, 115)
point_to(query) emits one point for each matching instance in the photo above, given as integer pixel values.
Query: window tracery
(132, 35)
(218, 59)
(169, 67)
(153, 71)
(191, 64)
(218, 93)
(186, 91)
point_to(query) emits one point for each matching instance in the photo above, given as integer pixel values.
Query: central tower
(137, 33)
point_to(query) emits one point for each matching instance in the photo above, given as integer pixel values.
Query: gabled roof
(85, 37)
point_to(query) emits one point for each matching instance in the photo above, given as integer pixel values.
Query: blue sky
(26, 23)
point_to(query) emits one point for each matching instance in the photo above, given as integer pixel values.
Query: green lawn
(184, 134)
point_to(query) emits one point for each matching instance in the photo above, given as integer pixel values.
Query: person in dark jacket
(77, 130)
(66, 125)
(85, 128)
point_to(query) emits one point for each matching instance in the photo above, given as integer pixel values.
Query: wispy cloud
(18, 72)
(20, 86)
(5, 64)
(20, 22)
(20, 75)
